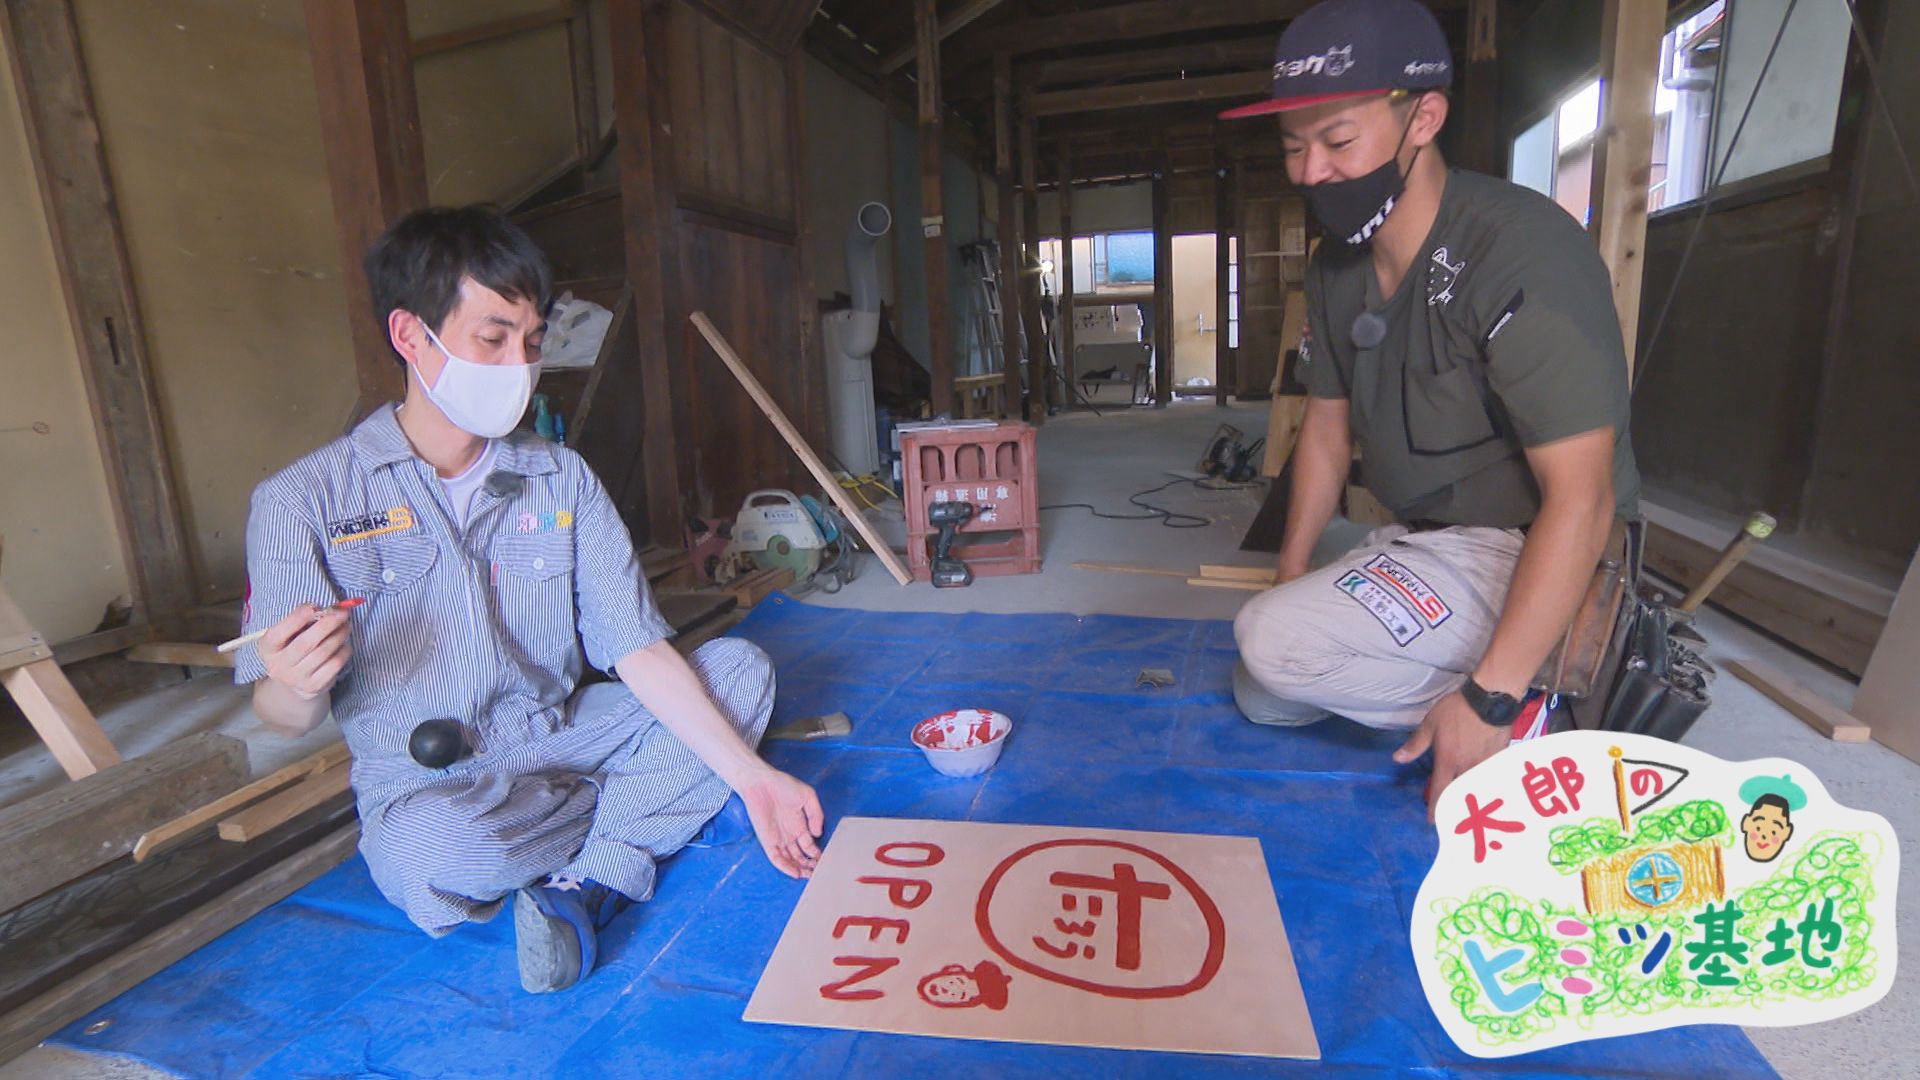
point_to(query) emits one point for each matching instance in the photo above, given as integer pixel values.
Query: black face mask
(1351, 211)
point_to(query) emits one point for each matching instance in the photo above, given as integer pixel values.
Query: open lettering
(902, 894)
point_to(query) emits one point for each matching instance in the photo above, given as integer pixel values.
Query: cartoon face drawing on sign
(956, 987)
(1129, 923)
(1768, 825)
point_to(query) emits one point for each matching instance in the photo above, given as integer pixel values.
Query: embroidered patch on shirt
(378, 523)
(547, 521)
(1408, 584)
(1381, 604)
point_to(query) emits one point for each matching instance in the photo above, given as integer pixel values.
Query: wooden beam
(1162, 283)
(100, 643)
(1817, 712)
(191, 821)
(1240, 84)
(493, 30)
(60, 718)
(96, 278)
(933, 222)
(376, 167)
(586, 93)
(1121, 22)
(24, 1027)
(1222, 241)
(1009, 237)
(180, 653)
(643, 124)
(1243, 54)
(1065, 316)
(1039, 347)
(269, 814)
(949, 26)
(798, 443)
(76, 828)
(1479, 122)
(1630, 35)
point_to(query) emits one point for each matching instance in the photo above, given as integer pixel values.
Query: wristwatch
(1492, 706)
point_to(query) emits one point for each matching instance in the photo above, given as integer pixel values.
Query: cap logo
(1431, 67)
(1332, 63)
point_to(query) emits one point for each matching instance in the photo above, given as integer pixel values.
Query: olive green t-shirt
(1502, 336)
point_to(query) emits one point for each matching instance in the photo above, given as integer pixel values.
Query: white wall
(1101, 209)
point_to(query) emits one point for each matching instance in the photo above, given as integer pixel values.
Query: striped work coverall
(485, 624)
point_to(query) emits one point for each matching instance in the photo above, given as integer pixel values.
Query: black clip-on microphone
(502, 484)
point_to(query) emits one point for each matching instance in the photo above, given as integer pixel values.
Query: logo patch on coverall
(1381, 604)
(377, 523)
(1409, 585)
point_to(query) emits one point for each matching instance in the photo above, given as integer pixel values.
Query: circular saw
(776, 530)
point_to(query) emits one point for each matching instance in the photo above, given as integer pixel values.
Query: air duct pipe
(849, 337)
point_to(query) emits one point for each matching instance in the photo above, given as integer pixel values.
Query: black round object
(438, 743)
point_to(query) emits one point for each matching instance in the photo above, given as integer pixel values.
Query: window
(1104, 261)
(1709, 62)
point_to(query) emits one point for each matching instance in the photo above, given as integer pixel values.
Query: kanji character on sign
(1540, 784)
(1719, 944)
(1128, 891)
(1479, 819)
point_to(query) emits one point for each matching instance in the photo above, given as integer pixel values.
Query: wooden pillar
(63, 137)
(1222, 240)
(643, 128)
(1480, 130)
(1067, 366)
(1009, 237)
(370, 126)
(1162, 282)
(1623, 149)
(586, 96)
(933, 223)
(1039, 349)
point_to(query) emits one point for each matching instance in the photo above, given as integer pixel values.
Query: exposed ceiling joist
(1234, 54)
(1245, 84)
(949, 26)
(1141, 19)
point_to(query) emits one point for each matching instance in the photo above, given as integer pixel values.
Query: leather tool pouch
(1575, 666)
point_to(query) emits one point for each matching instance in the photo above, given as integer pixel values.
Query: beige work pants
(1378, 635)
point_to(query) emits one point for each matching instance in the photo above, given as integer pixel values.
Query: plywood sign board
(1595, 883)
(1037, 934)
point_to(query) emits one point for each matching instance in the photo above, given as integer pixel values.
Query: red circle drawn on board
(1216, 926)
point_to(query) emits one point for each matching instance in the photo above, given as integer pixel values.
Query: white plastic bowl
(963, 742)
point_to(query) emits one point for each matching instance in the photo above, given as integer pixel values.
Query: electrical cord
(1171, 519)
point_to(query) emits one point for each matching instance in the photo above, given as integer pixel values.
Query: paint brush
(244, 640)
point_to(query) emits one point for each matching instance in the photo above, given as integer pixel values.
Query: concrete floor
(1101, 460)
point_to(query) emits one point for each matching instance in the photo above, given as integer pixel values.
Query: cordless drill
(949, 572)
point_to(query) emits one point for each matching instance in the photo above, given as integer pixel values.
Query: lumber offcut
(1819, 714)
(186, 824)
(51, 839)
(272, 813)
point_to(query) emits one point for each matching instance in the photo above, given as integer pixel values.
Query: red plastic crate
(994, 469)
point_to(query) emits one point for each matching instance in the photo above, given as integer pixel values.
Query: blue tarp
(334, 982)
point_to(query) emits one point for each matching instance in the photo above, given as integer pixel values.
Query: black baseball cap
(1355, 48)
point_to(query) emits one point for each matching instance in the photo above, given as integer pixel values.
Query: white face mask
(487, 400)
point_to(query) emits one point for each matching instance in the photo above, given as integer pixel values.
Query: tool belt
(1628, 661)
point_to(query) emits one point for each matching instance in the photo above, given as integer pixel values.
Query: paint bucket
(963, 742)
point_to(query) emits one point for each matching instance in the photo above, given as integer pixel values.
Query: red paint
(1539, 783)
(874, 926)
(869, 966)
(1129, 891)
(903, 893)
(1647, 782)
(932, 854)
(350, 603)
(1478, 820)
(961, 729)
(1216, 949)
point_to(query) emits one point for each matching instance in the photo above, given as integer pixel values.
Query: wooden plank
(586, 94)
(492, 30)
(1228, 583)
(1630, 33)
(1140, 19)
(90, 252)
(1128, 568)
(1162, 283)
(1207, 57)
(1891, 684)
(1140, 95)
(76, 828)
(1039, 346)
(811, 460)
(933, 220)
(1008, 234)
(1259, 575)
(162, 835)
(59, 716)
(277, 810)
(1819, 714)
(98, 643)
(957, 21)
(182, 653)
(644, 125)
(20, 643)
(376, 166)
(25, 1026)
(757, 586)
